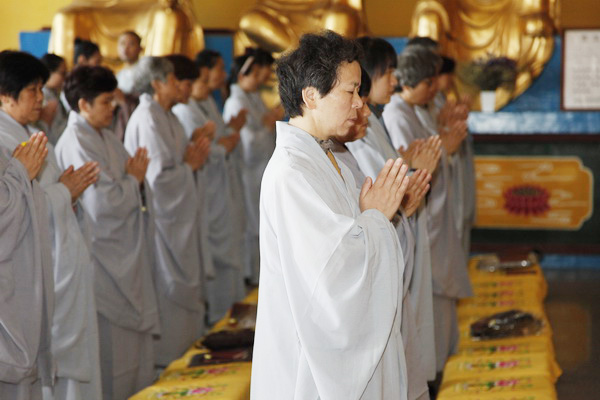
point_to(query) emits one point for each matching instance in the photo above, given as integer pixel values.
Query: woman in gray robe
(25, 357)
(172, 194)
(116, 225)
(214, 178)
(417, 71)
(228, 285)
(186, 74)
(465, 184)
(257, 144)
(74, 325)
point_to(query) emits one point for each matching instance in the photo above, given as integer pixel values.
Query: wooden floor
(573, 307)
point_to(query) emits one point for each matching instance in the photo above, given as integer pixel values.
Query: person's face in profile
(383, 87)
(99, 113)
(217, 75)
(57, 78)
(200, 88)
(444, 82)
(422, 93)
(251, 82)
(337, 111)
(184, 87)
(26, 108)
(167, 92)
(359, 129)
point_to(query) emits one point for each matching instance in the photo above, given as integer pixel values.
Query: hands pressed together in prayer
(137, 165)
(236, 123)
(197, 152)
(452, 124)
(423, 153)
(418, 186)
(77, 180)
(207, 130)
(387, 192)
(32, 154)
(230, 142)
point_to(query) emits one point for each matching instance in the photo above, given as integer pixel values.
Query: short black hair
(84, 48)
(448, 65)
(242, 65)
(183, 67)
(207, 58)
(424, 41)
(88, 83)
(314, 63)
(52, 61)
(134, 35)
(416, 64)
(378, 56)
(365, 83)
(18, 70)
(263, 57)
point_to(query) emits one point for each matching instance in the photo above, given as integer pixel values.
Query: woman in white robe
(171, 188)
(257, 145)
(74, 324)
(450, 280)
(25, 357)
(329, 312)
(116, 226)
(228, 285)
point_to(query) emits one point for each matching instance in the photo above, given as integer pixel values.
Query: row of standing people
(404, 114)
(140, 236)
(411, 118)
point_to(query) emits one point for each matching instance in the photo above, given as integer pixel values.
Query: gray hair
(149, 69)
(417, 63)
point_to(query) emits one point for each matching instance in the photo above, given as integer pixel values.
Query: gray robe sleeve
(25, 278)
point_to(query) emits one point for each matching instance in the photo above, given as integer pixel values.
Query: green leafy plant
(490, 73)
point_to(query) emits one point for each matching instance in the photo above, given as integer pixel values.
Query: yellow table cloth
(219, 382)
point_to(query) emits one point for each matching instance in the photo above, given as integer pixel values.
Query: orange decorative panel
(533, 192)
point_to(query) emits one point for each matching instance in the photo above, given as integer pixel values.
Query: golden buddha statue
(522, 30)
(165, 26)
(276, 25)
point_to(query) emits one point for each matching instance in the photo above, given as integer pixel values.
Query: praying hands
(77, 180)
(32, 154)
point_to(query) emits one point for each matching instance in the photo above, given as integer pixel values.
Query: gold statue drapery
(469, 29)
(165, 26)
(276, 25)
